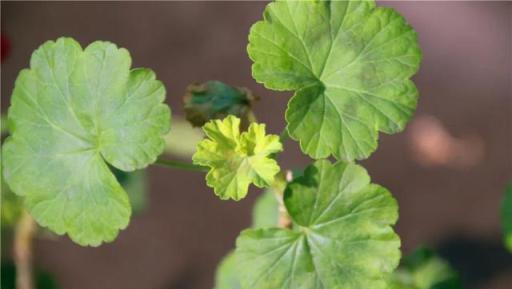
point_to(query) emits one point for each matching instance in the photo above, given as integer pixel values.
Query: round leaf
(349, 64)
(72, 112)
(342, 239)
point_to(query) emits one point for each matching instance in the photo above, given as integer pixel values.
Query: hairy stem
(180, 165)
(24, 232)
(284, 218)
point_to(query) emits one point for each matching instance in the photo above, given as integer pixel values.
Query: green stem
(180, 165)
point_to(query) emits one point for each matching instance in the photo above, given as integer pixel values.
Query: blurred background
(448, 170)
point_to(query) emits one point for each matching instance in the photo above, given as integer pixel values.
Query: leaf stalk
(180, 165)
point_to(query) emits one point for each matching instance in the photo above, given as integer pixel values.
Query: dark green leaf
(216, 100)
(423, 269)
(43, 280)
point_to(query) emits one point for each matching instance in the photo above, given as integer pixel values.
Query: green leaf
(72, 113)
(423, 269)
(237, 159)
(342, 236)
(265, 212)
(506, 216)
(226, 276)
(349, 64)
(216, 100)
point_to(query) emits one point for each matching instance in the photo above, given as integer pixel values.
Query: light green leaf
(237, 159)
(216, 100)
(265, 212)
(342, 236)
(506, 216)
(349, 64)
(226, 276)
(182, 140)
(423, 269)
(72, 113)
(266, 209)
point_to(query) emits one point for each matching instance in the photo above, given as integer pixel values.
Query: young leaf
(349, 64)
(72, 112)
(342, 236)
(506, 216)
(237, 159)
(216, 100)
(423, 269)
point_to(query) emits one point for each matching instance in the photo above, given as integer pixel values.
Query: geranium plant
(81, 119)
